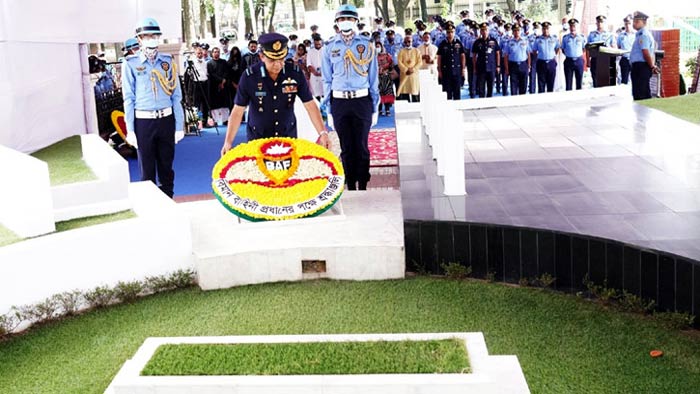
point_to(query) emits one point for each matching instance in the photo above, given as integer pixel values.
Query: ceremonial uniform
(450, 56)
(517, 52)
(546, 66)
(271, 102)
(625, 41)
(502, 80)
(486, 52)
(467, 38)
(598, 36)
(351, 86)
(641, 72)
(532, 77)
(152, 110)
(573, 46)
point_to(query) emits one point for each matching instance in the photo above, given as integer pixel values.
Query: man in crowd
(251, 58)
(428, 53)
(546, 47)
(486, 57)
(409, 61)
(201, 85)
(451, 61)
(598, 35)
(574, 47)
(642, 58)
(517, 62)
(313, 62)
(625, 41)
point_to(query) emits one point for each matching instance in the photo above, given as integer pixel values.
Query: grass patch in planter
(7, 236)
(65, 160)
(316, 358)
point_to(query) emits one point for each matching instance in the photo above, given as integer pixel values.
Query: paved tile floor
(604, 167)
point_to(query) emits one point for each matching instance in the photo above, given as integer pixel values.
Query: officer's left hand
(179, 135)
(324, 141)
(375, 118)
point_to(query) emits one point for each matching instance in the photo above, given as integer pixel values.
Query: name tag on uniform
(260, 94)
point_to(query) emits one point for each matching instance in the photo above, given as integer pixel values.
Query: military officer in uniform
(642, 58)
(625, 41)
(598, 35)
(467, 38)
(546, 47)
(152, 109)
(270, 88)
(536, 31)
(351, 86)
(451, 63)
(517, 61)
(574, 47)
(502, 79)
(131, 47)
(486, 57)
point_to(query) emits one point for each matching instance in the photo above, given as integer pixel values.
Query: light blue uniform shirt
(141, 93)
(642, 40)
(625, 41)
(393, 49)
(517, 49)
(437, 36)
(340, 75)
(467, 40)
(597, 36)
(417, 39)
(573, 45)
(546, 47)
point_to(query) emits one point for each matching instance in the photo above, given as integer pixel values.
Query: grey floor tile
(436, 208)
(479, 208)
(501, 169)
(679, 201)
(571, 204)
(528, 204)
(560, 184)
(515, 185)
(547, 222)
(606, 226)
(473, 171)
(478, 187)
(663, 226)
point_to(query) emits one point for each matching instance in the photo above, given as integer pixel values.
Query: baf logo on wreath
(277, 179)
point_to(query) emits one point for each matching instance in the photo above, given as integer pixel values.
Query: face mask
(150, 43)
(379, 50)
(501, 30)
(293, 44)
(426, 42)
(537, 31)
(346, 27)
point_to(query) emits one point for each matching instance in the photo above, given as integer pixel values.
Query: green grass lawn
(685, 107)
(564, 344)
(65, 160)
(329, 358)
(7, 237)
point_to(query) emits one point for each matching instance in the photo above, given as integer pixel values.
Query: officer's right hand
(225, 148)
(330, 121)
(131, 139)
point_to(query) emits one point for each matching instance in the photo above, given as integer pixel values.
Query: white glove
(375, 118)
(131, 139)
(179, 135)
(330, 122)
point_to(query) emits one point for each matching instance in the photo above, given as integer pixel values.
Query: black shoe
(352, 186)
(362, 185)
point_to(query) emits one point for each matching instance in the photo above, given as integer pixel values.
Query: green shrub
(675, 320)
(69, 301)
(523, 281)
(546, 280)
(99, 296)
(602, 293)
(41, 311)
(490, 276)
(128, 291)
(181, 279)
(632, 303)
(9, 321)
(456, 270)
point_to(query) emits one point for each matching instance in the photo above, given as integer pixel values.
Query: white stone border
(489, 374)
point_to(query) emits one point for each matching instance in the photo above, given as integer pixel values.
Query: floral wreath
(277, 179)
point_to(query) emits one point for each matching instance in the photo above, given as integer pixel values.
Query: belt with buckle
(157, 114)
(350, 94)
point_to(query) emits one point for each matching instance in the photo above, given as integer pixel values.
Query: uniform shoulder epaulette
(166, 55)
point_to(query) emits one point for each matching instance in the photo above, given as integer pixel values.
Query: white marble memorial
(489, 374)
(364, 242)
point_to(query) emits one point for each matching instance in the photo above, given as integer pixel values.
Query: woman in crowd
(235, 70)
(300, 60)
(217, 69)
(386, 86)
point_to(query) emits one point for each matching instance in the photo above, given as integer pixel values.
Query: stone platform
(364, 241)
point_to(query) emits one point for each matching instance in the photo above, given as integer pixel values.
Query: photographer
(201, 89)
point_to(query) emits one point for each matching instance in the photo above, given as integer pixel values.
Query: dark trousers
(625, 68)
(352, 119)
(156, 151)
(484, 83)
(546, 71)
(413, 98)
(533, 77)
(641, 74)
(470, 78)
(518, 77)
(499, 79)
(201, 99)
(452, 84)
(594, 67)
(573, 67)
(504, 80)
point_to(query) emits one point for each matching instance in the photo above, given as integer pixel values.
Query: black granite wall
(511, 253)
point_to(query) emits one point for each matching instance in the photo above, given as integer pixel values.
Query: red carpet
(383, 150)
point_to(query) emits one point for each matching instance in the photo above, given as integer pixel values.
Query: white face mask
(347, 27)
(537, 31)
(379, 50)
(149, 43)
(426, 42)
(150, 53)
(292, 44)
